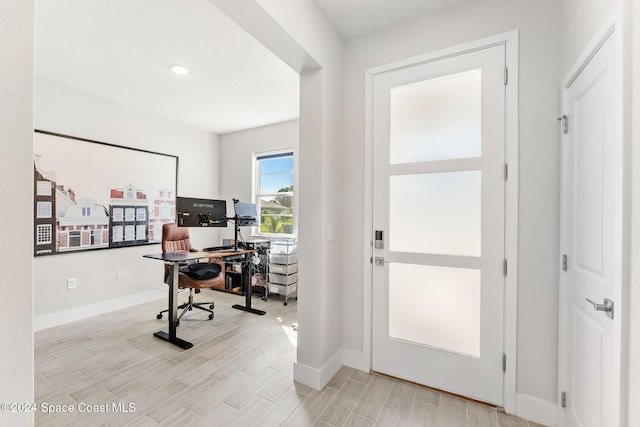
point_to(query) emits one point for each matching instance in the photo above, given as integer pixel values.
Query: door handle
(607, 307)
(379, 260)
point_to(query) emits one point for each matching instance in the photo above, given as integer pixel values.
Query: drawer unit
(283, 259)
(283, 269)
(284, 290)
(284, 247)
(282, 279)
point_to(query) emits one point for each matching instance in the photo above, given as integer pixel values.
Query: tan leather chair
(194, 276)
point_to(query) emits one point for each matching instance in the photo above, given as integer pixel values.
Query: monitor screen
(201, 212)
(246, 214)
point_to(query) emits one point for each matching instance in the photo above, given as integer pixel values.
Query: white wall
(321, 184)
(236, 160)
(538, 23)
(634, 330)
(580, 19)
(16, 212)
(300, 35)
(60, 110)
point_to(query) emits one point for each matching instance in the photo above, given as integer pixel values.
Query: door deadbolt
(378, 243)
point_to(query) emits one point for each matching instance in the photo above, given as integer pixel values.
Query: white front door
(591, 276)
(438, 211)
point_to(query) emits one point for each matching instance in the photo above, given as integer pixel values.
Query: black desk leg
(246, 279)
(173, 311)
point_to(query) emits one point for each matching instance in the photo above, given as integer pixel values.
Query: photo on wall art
(92, 195)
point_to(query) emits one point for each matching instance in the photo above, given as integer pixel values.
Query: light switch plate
(330, 232)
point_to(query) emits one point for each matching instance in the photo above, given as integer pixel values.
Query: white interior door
(592, 242)
(438, 199)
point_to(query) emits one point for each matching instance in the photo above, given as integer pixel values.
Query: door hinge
(564, 123)
(564, 262)
(371, 260)
(504, 267)
(504, 362)
(506, 75)
(563, 399)
(506, 171)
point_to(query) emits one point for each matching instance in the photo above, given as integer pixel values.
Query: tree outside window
(275, 192)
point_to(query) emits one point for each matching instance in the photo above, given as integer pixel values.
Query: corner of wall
(537, 410)
(317, 378)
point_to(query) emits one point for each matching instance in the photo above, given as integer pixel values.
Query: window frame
(118, 214)
(256, 194)
(44, 210)
(44, 188)
(75, 235)
(44, 234)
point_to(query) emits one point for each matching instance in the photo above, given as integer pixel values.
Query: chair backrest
(175, 238)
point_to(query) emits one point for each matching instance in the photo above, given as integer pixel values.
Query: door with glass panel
(438, 223)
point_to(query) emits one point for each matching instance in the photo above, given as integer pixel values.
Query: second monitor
(246, 214)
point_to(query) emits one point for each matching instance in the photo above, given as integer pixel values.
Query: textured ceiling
(121, 50)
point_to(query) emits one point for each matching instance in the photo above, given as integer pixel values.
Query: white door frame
(510, 40)
(614, 22)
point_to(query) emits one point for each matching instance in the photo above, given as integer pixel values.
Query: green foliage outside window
(275, 192)
(277, 217)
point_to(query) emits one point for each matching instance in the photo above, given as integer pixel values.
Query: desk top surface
(188, 256)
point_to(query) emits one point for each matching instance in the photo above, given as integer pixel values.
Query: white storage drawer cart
(283, 269)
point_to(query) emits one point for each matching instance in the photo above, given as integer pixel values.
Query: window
(86, 211)
(43, 234)
(118, 233)
(129, 214)
(129, 232)
(43, 188)
(74, 238)
(118, 214)
(275, 193)
(43, 210)
(165, 210)
(96, 236)
(141, 232)
(141, 214)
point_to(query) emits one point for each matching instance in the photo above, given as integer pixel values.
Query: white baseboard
(354, 359)
(537, 410)
(317, 378)
(79, 313)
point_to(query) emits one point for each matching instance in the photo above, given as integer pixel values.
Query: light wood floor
(239, 373)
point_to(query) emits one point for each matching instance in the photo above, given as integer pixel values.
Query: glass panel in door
(436, 119)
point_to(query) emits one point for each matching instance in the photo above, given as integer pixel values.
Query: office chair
(194, 276)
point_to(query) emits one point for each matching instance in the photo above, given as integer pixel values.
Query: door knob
(607, 307)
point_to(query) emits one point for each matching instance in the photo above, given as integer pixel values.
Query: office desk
(174, 259)
(246, 278)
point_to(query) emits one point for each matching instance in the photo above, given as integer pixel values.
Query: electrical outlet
(72, 283)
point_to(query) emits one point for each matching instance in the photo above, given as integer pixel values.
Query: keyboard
(218, 248)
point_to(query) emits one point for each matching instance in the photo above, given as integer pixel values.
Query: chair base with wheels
(194, 276)
(190, 305)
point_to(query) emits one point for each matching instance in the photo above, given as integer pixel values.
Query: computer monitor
(246, 213)
(194, 212)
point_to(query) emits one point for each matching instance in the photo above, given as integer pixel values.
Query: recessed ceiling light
(179, 69)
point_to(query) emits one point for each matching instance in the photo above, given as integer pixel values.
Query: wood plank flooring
(111, 371)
